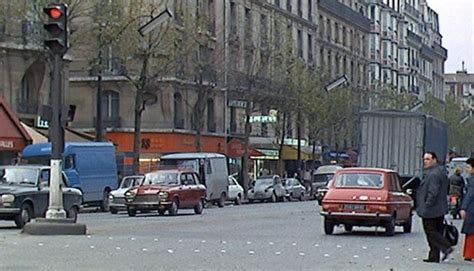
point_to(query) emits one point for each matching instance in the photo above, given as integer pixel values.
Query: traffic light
(56, 27)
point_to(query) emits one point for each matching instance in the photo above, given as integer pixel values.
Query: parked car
(294, 189)
(24, 192)
(117, 197)
(267, 188)
(367, 197)
(167, 190)
(236, 192)
(321, 179)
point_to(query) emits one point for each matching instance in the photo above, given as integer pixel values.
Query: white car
(117, 197)
(236, 192)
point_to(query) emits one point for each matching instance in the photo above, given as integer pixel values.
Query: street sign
(263, 119)
(237, 103)
(153, 23)
(334, 84)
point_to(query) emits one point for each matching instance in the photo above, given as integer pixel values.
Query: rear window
(372, 180)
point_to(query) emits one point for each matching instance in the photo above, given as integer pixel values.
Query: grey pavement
(264, 236)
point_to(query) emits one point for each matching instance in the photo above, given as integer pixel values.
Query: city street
(269, 236)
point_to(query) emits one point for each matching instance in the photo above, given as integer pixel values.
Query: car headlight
(8, 198)
(111, 197)
(163, 195)
(129, 194)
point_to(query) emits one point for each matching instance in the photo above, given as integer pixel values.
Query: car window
(190, 179)
(195, 177)
(394, 183)
(161, 178)
(374, 180)
(19, 176)
(264, 182)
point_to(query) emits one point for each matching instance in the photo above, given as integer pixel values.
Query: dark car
(167, 190)
(367, 197)
(24, 192)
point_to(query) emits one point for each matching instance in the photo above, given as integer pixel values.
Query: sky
(457, 28)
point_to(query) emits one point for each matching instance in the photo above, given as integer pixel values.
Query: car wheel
(105, 207)
(289, 197)
(173, 210)
(221, 201)
(198, 208)
(250, 200)
(24, 216)
(301, 197)
(328, 227)
(72, 213)
(113, 211)
(161, 211)
(390, 227)
(238, 200)
(407, 225)
(131, 212)
(347, 227)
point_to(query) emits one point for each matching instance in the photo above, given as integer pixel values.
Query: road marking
(156, 239)
(277, 252)
(88, 236)
(326, 255)
(415, 259)
(203, 241)
(355, 256)
(410, 249)
(180, 241)
(66, 246)
(224, 242)
(364, 247)
(301, 253)
(338, 246)
(144, 249)
(294, 244)
(92, 247)
(387, 257)
(117, 248)
(133, 238)
(110, 238)
(40, 244)
(251, 252)
(170, 251)
(223, 251)
(248, 242)
(196, 251)
(387, 248)
(316, 245)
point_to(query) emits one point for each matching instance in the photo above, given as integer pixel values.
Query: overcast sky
(457, 27)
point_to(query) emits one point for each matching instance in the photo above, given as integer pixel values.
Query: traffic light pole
(55, 208)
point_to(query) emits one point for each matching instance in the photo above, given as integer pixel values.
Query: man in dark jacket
(432, 205)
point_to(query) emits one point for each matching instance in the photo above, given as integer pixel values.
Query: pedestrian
(432, 206)
(456, 191)
(467, 213)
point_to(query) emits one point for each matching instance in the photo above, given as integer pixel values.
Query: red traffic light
(55, 13)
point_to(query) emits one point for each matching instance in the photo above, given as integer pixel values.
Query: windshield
(264, 182)
(18, 176)
(322, 178)
(36, 160)
(188, 164)
(161, 178)
(374, 180)
(131, 181)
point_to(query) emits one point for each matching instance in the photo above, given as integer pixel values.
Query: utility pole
(99, 133)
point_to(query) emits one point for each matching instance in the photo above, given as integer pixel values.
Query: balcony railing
(412, 11)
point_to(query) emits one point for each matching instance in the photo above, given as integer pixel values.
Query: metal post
(55, 208)
(98, 121)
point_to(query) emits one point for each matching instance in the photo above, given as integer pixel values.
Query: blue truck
(90, 167)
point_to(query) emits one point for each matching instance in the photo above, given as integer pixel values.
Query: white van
(457, 162)
(211, 167)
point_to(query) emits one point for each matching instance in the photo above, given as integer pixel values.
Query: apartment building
(461, 86)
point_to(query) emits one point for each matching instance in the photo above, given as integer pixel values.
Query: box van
(459, 162)
(90, 166)
(211, 167)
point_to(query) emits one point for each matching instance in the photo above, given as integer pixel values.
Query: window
(300, 8)
(394, 183)
(288, 5)
(110, 105)
(248, 24)
(233, 18)
(233, 120)
(310, 48)
(178, 111)
(277, 3)
(374, 180)
(300, 44)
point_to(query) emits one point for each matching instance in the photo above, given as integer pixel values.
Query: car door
(397, 197)
(41, 197)
(185, 191)
(69, 196)
(233, 189)
(278, 187)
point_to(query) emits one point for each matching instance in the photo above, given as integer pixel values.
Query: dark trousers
(434, 234)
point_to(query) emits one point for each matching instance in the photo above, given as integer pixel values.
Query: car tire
(289, 197)
(161, 211)
(348, 227)
(173, 210)
(72, 213)
(390, 227)
(113, 211)
(198, 208)
(24, 216)
(301, 197)
(105, 206)
(238, 200)
(250, 200)
(328, 227)
(221, 201)
(407, 225)
(131, 211)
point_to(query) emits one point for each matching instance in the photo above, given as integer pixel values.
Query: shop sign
(263, 119)
(294, 142)
(237, 103)
(7, 144)
(41, 123)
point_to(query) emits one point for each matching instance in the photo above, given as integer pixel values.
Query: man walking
(432, 205)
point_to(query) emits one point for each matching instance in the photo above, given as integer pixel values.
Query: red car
(366, 197)
(167, 190)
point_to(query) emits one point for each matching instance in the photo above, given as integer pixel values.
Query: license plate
(354, 207)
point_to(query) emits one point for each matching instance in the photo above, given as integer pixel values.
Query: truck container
(397, 140)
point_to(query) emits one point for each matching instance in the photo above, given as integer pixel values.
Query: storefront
(155, 144)
(13, 137)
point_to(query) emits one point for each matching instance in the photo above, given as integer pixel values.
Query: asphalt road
(264, 236)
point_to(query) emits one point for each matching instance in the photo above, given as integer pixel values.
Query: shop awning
(291, 153)
(35, 136)
(13, 137)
